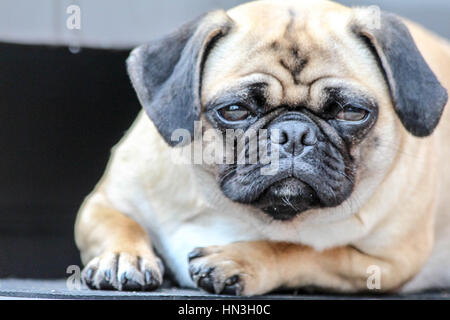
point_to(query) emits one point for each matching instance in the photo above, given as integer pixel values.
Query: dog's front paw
(124, 271)
(233, 269)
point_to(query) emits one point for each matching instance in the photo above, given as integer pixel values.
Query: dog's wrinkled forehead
(289, 45)
(298, 52)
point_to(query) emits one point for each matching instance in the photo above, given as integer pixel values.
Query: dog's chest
(176, 232)
(173, 238)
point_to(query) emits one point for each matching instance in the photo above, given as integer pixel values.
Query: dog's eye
(352, 113)
(234, 113)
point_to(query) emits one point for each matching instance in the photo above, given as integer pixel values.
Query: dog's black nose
(293, 135)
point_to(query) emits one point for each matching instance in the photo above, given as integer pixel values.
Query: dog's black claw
(147, 277)
(89, 276)
(108, 275)
(131, 285)
(194, 270)
(232, 290)
(205, 281)
(89, 284)
(206, 272)
(206, 284)
(232, 286)
(196, 253)
(154, 284)
(123, 278)
(151, 281)
(105, 285)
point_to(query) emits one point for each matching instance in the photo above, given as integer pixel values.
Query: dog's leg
(250, 268)
(115, 249)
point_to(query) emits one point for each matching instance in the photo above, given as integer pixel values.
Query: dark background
(61, 112)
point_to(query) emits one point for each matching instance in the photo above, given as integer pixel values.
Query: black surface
(60, 113)
(57, 289)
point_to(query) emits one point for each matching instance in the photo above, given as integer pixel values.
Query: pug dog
(350, 98)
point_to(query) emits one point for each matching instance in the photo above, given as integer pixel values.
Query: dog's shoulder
(137, 163)
(141, 141)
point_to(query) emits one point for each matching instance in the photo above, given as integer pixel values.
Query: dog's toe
(216, 273)
(233, 286)
(123, 271)
(203, 278)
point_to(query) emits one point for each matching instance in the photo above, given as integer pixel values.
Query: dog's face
(283, 74)
(332, 91)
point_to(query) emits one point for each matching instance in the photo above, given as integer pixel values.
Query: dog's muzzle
(311, 171)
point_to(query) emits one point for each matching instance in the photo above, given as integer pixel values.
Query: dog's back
(436, 271)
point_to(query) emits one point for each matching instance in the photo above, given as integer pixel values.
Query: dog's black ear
(417, 95)
(166, 73)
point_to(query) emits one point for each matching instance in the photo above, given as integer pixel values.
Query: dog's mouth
(287, 198)
(320, 177)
